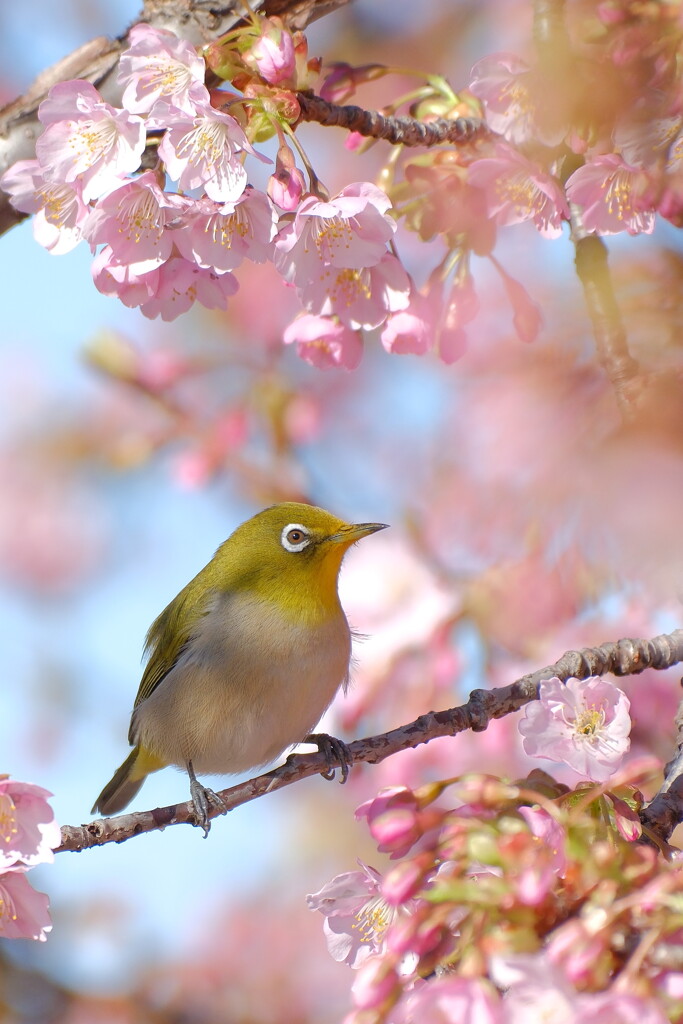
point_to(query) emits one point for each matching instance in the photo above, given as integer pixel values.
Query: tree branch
(623, 657)
(406, 131)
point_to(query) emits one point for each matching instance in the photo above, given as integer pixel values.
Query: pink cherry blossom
(59, 211)
(350, 231)
(376, 985)
(611, 193)
(410, 329)
(359, 298)
(356, 914)
(204, 151)
(221, 235)
(86, 140)
(393, 819)
(506, 86)
(583, 723)
(518, 189)
(501, 82)
(272, 55)
(455, 1000)
(538, 989)
(24, 912)
(526, 315)
(536, 875)
(121, 281)
(159, 66)
(133, 221)
(324, 342)
(180, 283)
(28, 830)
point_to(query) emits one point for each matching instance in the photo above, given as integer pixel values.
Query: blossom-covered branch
(97, 61)
(405, 131)
(623, 657)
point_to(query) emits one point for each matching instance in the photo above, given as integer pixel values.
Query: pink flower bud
(376, 984)
(273, 53)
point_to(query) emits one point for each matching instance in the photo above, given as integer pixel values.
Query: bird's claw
(203, 799)
(336, 753)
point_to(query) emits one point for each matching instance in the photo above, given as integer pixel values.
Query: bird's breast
(250, 683)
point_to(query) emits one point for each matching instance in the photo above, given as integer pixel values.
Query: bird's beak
(353, 532)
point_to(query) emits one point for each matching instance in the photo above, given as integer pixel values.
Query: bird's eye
(295, 537)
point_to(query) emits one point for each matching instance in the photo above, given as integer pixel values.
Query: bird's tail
(126, 781)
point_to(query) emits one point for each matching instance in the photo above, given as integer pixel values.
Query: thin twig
(405, 131)
(623, 657)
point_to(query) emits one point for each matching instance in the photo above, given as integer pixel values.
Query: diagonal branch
(623, 657)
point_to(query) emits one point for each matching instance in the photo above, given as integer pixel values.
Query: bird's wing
(168, 636)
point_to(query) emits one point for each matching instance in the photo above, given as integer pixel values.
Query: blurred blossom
(505, 85)
(28, 830)
(324, 342)
(584, 723)
(401, 603)
(455, 1000)
(52, 530)
(24, 912)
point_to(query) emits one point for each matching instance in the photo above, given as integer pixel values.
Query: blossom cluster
(521, 901)
(28, 835)
(175, 234)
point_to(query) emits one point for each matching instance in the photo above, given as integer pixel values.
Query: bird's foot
(203, 799)
(336, 753)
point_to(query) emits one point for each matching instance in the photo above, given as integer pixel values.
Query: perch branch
(623, 657)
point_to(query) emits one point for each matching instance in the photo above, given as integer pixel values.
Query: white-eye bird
(245, 660)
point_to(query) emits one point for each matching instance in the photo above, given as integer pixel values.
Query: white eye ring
(298, 541)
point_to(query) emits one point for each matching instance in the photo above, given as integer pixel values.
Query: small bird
(245, 660)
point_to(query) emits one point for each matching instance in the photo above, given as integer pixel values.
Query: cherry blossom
(584, 723)
(360, 298)
(159, 66)
(204, 151)
(222, 235)
(610, 192)
(517, 189)
(59, 211)
(410, 329)
(86, 140)
(133, 221)
(180, 283)
(501, 82)
(24, 912)
(324, 341)
(451, 999)
(121, 280)
(28, 830)
(356, 914)
(350, 231)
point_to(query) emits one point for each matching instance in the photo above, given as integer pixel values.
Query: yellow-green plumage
(245, 660)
